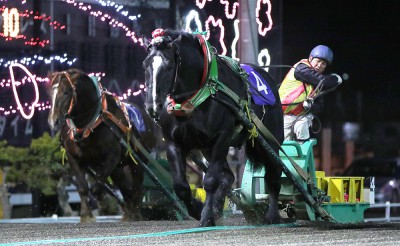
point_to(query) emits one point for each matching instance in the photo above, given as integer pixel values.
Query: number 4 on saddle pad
(259, 88)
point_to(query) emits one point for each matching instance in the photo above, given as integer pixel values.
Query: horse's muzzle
(55, 125)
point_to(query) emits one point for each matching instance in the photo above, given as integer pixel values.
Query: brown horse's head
(62, 93)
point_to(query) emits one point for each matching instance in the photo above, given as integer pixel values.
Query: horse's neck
(189, 82)
(84, 110)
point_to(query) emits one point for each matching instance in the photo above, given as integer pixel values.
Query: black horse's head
(171, 68)
(161, 65)
(63, 94)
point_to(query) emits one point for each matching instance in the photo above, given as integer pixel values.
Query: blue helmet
(322, 52)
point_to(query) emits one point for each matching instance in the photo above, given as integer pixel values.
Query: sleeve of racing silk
(308, 75)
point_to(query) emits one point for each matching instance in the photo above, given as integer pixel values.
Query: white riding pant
(300, 130)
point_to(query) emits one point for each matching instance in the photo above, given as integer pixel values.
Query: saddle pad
(259, 88)
(135, 117)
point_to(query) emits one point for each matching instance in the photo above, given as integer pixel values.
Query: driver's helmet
(322, 52)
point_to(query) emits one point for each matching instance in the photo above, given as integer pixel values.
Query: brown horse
(97, 133)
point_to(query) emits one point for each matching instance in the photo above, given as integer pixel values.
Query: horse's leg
(177, 164)
(129, 180)
(99, 198)
(62, 195)
(273, 180)
(83, 190)
(226, 180)
(217, 182)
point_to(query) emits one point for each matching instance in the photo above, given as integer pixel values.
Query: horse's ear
(146, 42)
(179, 38)
(50, 76)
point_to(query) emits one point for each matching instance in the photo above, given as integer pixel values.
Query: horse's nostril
(159, 106)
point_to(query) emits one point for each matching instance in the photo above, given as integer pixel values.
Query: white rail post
(387, 211)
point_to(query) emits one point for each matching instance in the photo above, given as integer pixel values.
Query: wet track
(232, 231)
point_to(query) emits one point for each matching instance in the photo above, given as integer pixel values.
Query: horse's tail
(254, 155)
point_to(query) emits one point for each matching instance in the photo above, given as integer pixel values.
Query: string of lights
(38, 59)
(105, 17)
(119, 9)
(22, 107)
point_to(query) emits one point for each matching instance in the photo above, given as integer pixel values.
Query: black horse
(197, 97)
(96, 132)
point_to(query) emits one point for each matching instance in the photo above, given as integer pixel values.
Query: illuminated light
(16, 96)
(222, 28)
(235, 39)
(12, 27)
(193, 16)
(263, 31)
(105, 17)
(11, 22)
(234, 7)
(118, 8)
(264, 53)
(201, 3)
(36, 59)
(41, 106)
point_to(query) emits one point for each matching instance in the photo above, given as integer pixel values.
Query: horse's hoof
(87, 219)
(273, 220)
(196, 210)
(207, 223)
(132, 218)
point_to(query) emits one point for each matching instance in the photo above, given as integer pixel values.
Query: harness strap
(205, 91)
(208, 55)
(116, 121)
(104, 115)
(209, 83)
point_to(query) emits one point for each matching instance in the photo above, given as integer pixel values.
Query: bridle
(55, 85)
(73, 130)
(158, 40)
(188, 96)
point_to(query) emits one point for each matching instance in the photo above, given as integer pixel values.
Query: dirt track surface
(233, 231)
